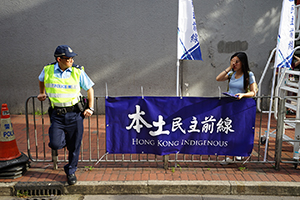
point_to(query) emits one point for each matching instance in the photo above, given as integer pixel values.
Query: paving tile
(223, 177)
(231, 177)
(144, 177)
(121, 177)
(207, 177)
(129, 177)
(255, 177)
(239, 177)
(106, 177)
(153, 176)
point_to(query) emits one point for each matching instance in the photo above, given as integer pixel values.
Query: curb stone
(173, 187)
(265, 188)
(7, 189)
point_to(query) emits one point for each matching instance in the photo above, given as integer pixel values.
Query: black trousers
(67, 130)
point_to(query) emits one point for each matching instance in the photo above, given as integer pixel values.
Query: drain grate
(39, 188)
(40, 198)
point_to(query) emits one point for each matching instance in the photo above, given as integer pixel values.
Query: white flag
(188, 47)
(286, 35)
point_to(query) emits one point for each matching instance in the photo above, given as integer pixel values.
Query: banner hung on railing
(190, 125)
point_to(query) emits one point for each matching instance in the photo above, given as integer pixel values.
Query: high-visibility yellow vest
(62, 92)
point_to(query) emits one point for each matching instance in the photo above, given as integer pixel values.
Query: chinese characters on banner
(191, 125)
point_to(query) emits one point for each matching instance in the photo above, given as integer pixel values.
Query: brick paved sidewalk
(110, 171)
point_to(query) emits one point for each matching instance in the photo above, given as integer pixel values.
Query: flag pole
(178, 75)
(284, 51)
(270, 113)
(188, 46)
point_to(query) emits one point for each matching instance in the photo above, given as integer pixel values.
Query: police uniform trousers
(66, 130)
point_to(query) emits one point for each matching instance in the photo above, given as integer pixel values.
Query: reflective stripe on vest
(68, 104)
(62, 92)
(61, 86)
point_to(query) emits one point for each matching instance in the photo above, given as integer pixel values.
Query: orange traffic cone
(8, 144)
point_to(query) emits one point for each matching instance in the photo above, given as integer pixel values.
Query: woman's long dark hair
(245, 67)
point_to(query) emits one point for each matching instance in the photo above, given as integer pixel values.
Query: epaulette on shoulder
(78, 66)
(50, 63)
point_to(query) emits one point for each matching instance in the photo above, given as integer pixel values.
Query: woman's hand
(239, 95)
(223, 75)
(248, 94)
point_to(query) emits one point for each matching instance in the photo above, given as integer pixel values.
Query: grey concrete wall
(226, 27)
(129, 44)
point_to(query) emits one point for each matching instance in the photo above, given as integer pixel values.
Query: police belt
(64, 110)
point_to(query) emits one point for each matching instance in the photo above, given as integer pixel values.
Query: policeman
(62, 81)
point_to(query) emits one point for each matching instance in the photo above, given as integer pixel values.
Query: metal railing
(93, 148)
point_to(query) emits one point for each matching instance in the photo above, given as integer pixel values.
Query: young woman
(241, 79)
(241, 82)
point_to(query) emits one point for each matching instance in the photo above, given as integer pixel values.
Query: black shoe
(71, 179)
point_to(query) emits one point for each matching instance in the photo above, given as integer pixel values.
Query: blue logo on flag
(188, 47)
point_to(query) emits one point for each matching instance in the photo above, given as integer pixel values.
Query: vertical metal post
(166, 161)
(90, 139)
(177, 78)
(54, 158)
(269, 117)
(260, 125)
(279, 132)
